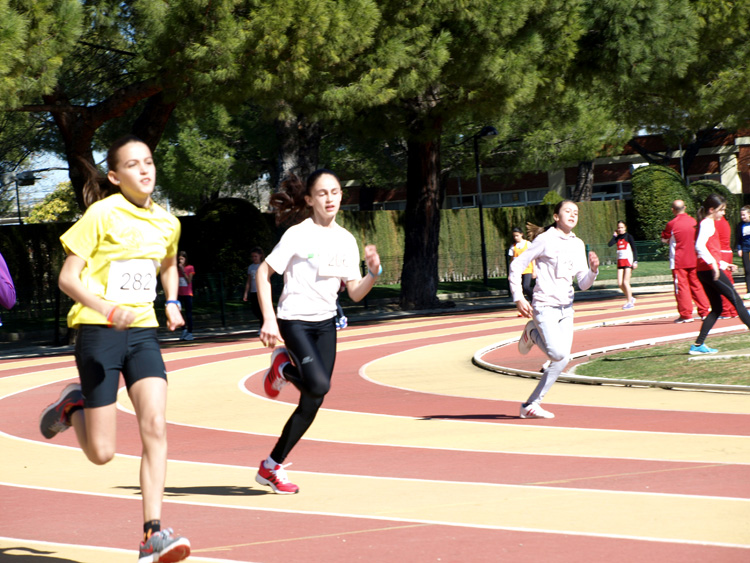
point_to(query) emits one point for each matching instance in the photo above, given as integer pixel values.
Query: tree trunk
(151, 123)
(419, 277)
(299, 147)
(78, 125)
(584, 181)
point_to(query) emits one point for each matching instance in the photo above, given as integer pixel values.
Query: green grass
(644, 269)
(669, 362)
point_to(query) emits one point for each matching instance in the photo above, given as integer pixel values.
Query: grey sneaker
(55, 418)
(164, 547)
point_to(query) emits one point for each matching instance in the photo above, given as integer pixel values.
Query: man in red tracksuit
(680, 234)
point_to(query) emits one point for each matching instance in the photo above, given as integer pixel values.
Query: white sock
(270, 463)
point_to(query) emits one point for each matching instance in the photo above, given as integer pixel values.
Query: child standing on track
(314, 256)
(521, 245)
(627, 261)
(115, 252)
(742, 240)
(559, 256)
(710, 271)
(185, 293)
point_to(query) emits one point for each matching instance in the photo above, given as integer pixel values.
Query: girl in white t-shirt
(314, 256)
(559, 256)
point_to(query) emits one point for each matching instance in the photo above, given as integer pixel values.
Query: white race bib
(564, 266)
(334, 265)
(131, 281)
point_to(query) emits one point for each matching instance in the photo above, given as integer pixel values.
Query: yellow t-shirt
(519, 249)
(123, 246)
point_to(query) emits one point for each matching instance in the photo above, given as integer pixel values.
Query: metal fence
(40, 313)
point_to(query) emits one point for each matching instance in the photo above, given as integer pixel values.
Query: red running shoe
(276, 479)
(274, 380)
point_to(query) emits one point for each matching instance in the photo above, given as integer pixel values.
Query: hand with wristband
(119, 317)
(372, 259)
(173, 309)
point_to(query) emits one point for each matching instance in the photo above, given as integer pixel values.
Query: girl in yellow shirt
(115, 251)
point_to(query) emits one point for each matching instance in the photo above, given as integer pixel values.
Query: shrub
(655, 187)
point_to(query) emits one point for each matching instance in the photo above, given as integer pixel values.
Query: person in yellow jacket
(521, 245)
(114, 254)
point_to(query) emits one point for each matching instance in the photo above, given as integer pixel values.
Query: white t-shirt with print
(559, 259)
(314, 261)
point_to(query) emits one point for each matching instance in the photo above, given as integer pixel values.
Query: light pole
(487, 131)
(25, 178)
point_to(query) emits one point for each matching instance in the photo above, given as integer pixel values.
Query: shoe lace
(280, 473)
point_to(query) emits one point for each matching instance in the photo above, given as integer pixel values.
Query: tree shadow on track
(470, 417)
(217, 491)
(29, 555)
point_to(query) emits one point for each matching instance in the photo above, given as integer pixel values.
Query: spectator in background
(185, 293)
(627, 261)
(521, 245)
(7, 289)
(725, 239)
(680, 235)
(742, 240)
(251, 289)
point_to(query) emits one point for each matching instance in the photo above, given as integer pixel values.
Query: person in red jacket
(680, 235)
(725, 237)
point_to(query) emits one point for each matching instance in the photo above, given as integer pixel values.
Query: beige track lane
(663, 517)
(243, 412)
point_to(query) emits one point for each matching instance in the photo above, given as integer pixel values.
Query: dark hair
(533, 231)
(183, 254)
(516, 230)
(98, 185)
(258, 250)
(624, 224)
(289, 202)
(712, 202)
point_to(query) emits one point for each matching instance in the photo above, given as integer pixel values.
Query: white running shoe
(534, 410)
(526, 342)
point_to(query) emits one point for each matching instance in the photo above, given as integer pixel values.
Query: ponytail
(289, 202)
(96, 186)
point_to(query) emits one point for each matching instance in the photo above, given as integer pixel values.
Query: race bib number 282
(131, 281)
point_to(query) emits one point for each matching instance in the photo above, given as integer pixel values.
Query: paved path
(418, 455)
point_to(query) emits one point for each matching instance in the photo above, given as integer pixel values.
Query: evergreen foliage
(655, 187)
(35, 37)
(552, 198)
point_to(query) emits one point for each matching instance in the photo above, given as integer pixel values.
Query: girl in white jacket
(559, 256)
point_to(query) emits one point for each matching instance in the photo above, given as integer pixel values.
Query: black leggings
(312, 347)
(746, 267)
(714, 290)
(526, 286)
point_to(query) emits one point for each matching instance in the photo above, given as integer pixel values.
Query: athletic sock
(150, 528)
(270, 463)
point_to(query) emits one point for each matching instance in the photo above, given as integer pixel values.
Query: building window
(605, 192)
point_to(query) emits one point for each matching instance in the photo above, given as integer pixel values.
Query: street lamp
(25, 178)
(487, 131)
